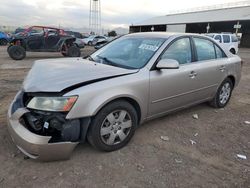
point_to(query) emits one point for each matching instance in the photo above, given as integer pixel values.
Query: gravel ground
(161, 154)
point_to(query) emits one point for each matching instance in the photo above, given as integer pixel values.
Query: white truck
(228, 41)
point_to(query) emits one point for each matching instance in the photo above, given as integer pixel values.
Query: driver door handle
(222, 68)
(193, 74)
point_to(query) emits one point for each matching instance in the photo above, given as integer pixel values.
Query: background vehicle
(227, 40)
(93, 39)
(4, 38)
(42, 39)
(105, 97)
(99, 45)
(79, 38)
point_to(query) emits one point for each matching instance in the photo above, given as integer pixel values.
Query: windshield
(130, 53)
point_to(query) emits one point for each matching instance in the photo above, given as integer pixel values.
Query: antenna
(95, 16)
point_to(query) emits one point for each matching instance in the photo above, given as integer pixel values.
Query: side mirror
(168, 64)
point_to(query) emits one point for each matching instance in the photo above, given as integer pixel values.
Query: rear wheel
(16, 52)
(113, 126)
(74, 51)
(232, 51)
(223, 94)
(90, 43)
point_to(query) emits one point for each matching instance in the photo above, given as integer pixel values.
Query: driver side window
(180, 51)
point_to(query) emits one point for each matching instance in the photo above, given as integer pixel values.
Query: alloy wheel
(116, 127)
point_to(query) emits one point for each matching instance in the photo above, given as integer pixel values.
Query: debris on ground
(192, 142)
(216, 111)
(13, 155)
(241, 156)
(165, 138)
(196, 134)
(1, 180)
(100, 167)
(34, 177)
(60, 173)
(178, 160)
(195, 116)
(25, 157)
(247, 122)
(140, 167)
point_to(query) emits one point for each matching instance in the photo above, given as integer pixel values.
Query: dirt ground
(147, 161)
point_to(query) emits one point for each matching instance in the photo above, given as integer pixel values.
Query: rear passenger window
(180, 51)
(226, 38)
(234, 38)
(219, 52)
(205, 49)
(218, 37)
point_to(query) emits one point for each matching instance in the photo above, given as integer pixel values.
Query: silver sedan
(104, 97)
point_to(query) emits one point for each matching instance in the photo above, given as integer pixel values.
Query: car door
(210, 67)
(202, 69)
(35, 40)
(171, 89)
(51, 39)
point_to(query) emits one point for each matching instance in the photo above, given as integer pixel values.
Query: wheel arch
(128, 99)
(232, 78)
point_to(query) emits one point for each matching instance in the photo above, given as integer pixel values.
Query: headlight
(61, 104)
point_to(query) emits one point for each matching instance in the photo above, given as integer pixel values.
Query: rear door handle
(222, 68)
(192, 74)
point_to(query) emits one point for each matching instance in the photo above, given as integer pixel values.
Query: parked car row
(4, 38)
(94, 39)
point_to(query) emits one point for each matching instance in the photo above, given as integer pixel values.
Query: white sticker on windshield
(148, 47)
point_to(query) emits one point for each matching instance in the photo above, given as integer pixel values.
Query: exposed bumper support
(33, 145)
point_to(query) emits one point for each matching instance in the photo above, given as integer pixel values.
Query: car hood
(59, 75)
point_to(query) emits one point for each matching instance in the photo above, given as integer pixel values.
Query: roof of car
(160, 34)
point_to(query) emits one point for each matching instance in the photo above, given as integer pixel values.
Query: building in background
(230, 17)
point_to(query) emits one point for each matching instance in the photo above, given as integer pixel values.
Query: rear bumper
(33, 145)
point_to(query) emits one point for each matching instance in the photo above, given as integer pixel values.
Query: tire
(3, 42)
(114, 135)
(219, 101)
(16, 52)
(232, 51)
(73, 51)
(90, 43)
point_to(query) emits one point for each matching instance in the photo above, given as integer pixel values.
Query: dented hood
(57, 75)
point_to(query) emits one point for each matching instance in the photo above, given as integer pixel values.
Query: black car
(42, 39)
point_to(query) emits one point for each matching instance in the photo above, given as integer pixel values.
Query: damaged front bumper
(33, 145)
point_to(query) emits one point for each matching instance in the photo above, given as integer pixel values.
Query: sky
(75, 13)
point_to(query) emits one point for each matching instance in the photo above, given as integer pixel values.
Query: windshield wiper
(112, 63)
(108, 60)
(88, 57)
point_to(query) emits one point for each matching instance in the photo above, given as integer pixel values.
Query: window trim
(211, 40)
(166, 48)
(229, 38)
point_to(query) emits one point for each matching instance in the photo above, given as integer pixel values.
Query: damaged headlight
(56, 104)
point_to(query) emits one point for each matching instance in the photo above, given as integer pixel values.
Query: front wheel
(16, 52)
(223, 94)
(113, 126)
